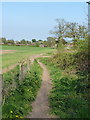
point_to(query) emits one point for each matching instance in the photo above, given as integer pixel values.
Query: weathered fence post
(21, 76)
(24, 67)
(28, 65)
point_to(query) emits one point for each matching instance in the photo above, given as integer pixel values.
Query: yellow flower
(11, 111)
(17, 116)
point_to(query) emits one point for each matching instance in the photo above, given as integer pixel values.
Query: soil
(40, 107)
(14, 65)
(8, 68)
(7, 51)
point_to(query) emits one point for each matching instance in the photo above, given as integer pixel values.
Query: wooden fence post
(28, 65)
(21, 72)
(23, 69)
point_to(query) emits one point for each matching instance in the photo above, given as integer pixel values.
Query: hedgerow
(69, 97)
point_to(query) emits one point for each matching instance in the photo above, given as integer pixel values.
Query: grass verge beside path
(65, 100)
(18, 102)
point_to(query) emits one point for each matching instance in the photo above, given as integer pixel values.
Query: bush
(69, 97)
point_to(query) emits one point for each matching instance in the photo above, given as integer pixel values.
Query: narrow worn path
(14, 65)
(40, 105)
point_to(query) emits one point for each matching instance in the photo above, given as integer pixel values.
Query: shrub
(69, 97)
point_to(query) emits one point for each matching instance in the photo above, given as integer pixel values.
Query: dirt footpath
(8, 68)
(40, 105)
(14, 65)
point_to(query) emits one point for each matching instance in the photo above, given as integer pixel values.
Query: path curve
(40, 105)
(14, 65)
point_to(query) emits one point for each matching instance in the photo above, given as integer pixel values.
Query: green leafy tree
(3, 40)
(72, 29)
(28, 42)
(33, 40)
(60, 30)
(50, 41)
(75, 31)
(37, 44)
(82, 31)
(40, 40)
(10, 41)
(63, 41)
(23, 41)
(45, 43)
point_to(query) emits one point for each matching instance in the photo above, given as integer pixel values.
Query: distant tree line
(50, 42)
(33, 42)
(62, 30)
(69, 30)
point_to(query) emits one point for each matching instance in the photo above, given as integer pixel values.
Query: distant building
(42, 45)
(1, 43)
(10, 44)
(33, 43)
(40, 42)
(28, 44)
(16, 42)
(20, 44)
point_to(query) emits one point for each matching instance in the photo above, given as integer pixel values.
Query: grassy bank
(18, 102)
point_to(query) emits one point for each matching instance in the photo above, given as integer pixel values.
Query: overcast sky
(28, 20)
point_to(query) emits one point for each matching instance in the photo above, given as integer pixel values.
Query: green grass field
(22, 52)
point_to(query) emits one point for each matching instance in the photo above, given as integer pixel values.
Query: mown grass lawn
(22, 52)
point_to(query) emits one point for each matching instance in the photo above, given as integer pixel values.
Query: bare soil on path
(4, 70)
(7, 51)
(40, 106)
(8, 68)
